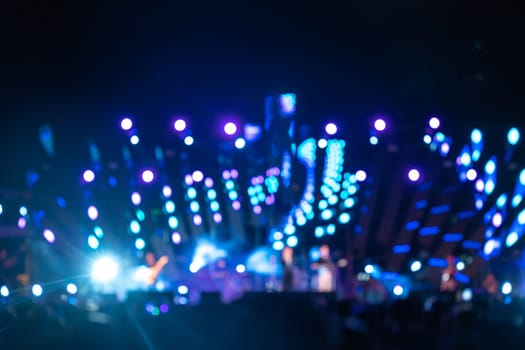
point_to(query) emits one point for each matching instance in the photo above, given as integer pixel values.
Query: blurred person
(287, 261)
(325, 270)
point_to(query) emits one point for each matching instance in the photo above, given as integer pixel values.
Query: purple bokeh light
(257, 209)
(360, 175)
(217, 217)
(480, 185)
(236, 205)
(197, 220)
(330, 128)
(414, 175)
(167, 191)
(234, 173)
(380, 124)
(49, 235)
(92, 212)
(22, 223)
(208, 182)
(188, 180)
(179, 125)
(230, 128)
(148, 176)
(226, 175)
(126, 124)
(136, 198)
(269, 200)
(176, 238)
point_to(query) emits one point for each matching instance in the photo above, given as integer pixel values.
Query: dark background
(80, 67)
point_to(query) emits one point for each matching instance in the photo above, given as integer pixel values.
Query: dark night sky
(80, 67)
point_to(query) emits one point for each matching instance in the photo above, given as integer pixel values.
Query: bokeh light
(126, 124)
(179, 125)
(188, 140)
(148, 176)
(434, 123)
(230, 128)
(88, 175)
(380, 124)
(414, 175)
(330, 128)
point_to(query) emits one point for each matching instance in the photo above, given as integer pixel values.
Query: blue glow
(506, 288)
(476, 136)
(465, 159)
(214, 206)
(191, 192)
(194, 206)
(233, 195)
(513, 136)
(330, 229)
(437, 262)
(429, 230)
(471, 245)
(93, 242)
(229, 184)
(278, 245)
(134, 140)
(344, 218)
(444, 149)
(349, 202)
(287, 103)
(441, 209)
(440, 137)
(412, 225)
(173, 222)
(188, 140)
(490, 246)
(212, 194)
(373, 140)
(134, 226)
(490, 166)
(292, 241)
(522, 177)
(327, 214)
(240, 143)
(140, 215)
(401, 249)
(278, 235)
(333, 199)
(501, 201)
(489, 186)
(140, 244)
(322, 205)
(301, 221)
(319, 232)
(516, 200)
(452, 237)
(289, 229)
(421, 204)
(521, 217)
(99, 232)
(61, 202)
(169, 207)
(462, 278)
(466, 214)
(427, 139)
(512, 238)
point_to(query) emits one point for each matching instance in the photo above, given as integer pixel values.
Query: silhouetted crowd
(268, 321)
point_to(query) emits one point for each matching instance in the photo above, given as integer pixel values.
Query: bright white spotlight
(4, 291)
(134, 140)
(512, 238)
(472, 174)
(476, 136)
(240, 268)
(506, 288)
(398, 290)
(460, 266)
(414, 175)
(427, 139)
(105, 269)
(373, 140)
(93, 242)
(369, 269)
(182, 289)
(88, 175)
(72, 288)
(380, 124)
(126, 124)
(140, 243)
(415, 266)
(179, 125)
(322, 143)
(513, 136)
(188, 140)
(148, 176)
(434, 122)
(230, 128)
(360, 175)
(197, 176)
(240, 143)
(331, 129)
(92, 212)
(37, 290)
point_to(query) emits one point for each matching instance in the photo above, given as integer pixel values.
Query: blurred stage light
(191, 192)
(134, 226)
(506, 288)
(489, 187)
(23, 210)
(4, 291)
(513, 136)
(169, 207)
(140, 244)
(126, 124)
(278, 245)
(292, 241)
(188, 140)
(380, 124)
(512, 238)
(194, 206)
(104, 269)
(208, 182)
(373, 140)
(240, 143)
(134, 140)
(92, 212)
(1, 209)
(398, 290)
(415, 266)
(197, 220)
(472, 174)
(217, 218)
(427, 139)
(480, 185)
(182, 289)
(369, 269)
(344, 218)
(467, 294)
(414, 175)
(465, 159)
(360, 175)
(287, 103)
(197, 176)
(88, 175)
(330, 128)
(72, 288)
(173, 222)
(444, 148)
(236, 205)
(521, 217)
(148, 176)
(278, 235)
(240, 268)
(93, 242)
(37, 290)
(99, 232)
(490, 166)
(476, 136)
(49, 235)
(497, 220)
(167, 191)
(434, 122)
(176, 237)
(322, 143)
(136, 198)
(234, 173)
(179, 125)
(460, 266)
(522, 177)
(319, 232)
(230, 128)
(22, 222)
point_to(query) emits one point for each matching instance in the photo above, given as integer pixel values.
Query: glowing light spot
(427, 139)
(472, 174)
(434, 122)
(460, 266)
(373, 140)
(188, 140)
(513, 136)
(167, 191)
(179, 125)
(398, 290)
(360, 175)
(291, 241)
(512, 238)
(230, 128)
(4, 291)
(182, 289)
(476, 136)
(322, 143)
(197, 220)
(331, 129)
(126, 124)
(93, 242)
(380, 124)
(88, 175)
(240, 143)
(136, 198)
(72, 288)
(240, 268)
(176, 238)
(415, 266)
(49, 235)
(134, 226)
(506, 288)
(37, 290)
(148, 176)
(92, 212)
(134, 140)
(414, 175)
(197, 176)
